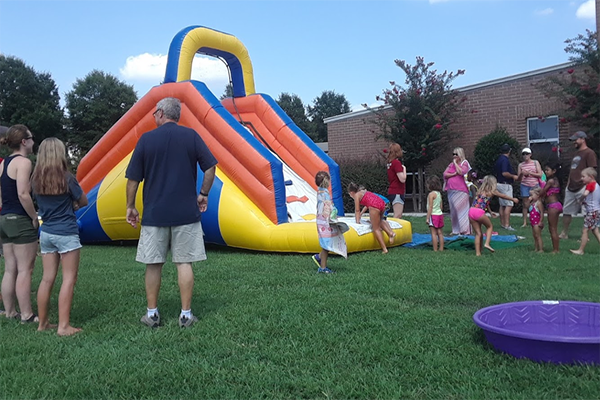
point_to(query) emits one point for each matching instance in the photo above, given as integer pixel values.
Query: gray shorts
(506, 189)
(185, 241)
(50, 243)
(572, 204)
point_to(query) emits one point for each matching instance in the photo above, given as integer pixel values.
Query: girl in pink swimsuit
(477, 215)
(376, 207)
(536, 218)
(551, 192)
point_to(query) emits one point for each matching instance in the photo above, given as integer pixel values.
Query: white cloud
(145, 67)
(546, 11)
(437, 1)
(151, 68)
(587, 10)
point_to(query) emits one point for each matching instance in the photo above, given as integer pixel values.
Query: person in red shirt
(396, 173)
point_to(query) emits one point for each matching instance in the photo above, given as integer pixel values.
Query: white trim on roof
(505, 79)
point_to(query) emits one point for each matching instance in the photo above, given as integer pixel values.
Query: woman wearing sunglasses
(458, 193)
(530, 173)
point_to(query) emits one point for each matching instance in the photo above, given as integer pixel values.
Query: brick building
(512, 102)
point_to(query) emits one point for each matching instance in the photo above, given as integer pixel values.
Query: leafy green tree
(228, 92)
(94, 105)
(579, 88)
(294, 108)
(30, 98)
(328, 104)
(419, 115)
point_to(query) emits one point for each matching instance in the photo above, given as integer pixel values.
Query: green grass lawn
(383, 327)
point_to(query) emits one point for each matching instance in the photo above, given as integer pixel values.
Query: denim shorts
(526, 189)
(50, 243)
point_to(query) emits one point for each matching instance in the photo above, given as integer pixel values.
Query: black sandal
(33, 318)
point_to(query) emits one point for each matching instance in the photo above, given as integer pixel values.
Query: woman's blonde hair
(395, 152)
(488, 185)
(50, 172)
(460, 152)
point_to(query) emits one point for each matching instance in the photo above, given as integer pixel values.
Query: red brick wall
(507, 103)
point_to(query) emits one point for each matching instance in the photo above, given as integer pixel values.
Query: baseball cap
(526, 150)
(505, 148)
(578, 135)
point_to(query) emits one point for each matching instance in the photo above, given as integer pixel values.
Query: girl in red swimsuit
(536, 217)
(376, 206)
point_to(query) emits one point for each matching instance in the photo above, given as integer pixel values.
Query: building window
(543, 136)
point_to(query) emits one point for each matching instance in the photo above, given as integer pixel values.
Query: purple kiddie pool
(562, 332)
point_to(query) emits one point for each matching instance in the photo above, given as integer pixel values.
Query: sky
(297, 47)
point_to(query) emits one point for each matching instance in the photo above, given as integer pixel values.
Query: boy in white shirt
(591, 197)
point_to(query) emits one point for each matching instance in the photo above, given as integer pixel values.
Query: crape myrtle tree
(328, 104)
(292, 105)
(419, 116)
(578, 87)
(29, 98)
(94, 105)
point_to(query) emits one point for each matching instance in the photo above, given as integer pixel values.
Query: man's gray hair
(171, 108)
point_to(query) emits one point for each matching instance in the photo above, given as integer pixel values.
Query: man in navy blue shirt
(505, 174)
(166, 160)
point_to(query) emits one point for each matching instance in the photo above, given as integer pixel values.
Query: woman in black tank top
(18, 224)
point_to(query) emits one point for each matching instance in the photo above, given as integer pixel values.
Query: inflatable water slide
(263, 197)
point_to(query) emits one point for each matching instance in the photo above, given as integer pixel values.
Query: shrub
(487, 151)
(368, 172)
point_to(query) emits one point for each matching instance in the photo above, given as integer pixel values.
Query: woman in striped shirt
(530, 173)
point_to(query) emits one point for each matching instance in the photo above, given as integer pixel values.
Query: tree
(30, 98)
(326, 105)
(579, 88)
(94, 105)
(419, 116)
(228, 92)
(294, 108)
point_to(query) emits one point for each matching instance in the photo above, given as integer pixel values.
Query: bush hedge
(368, 172)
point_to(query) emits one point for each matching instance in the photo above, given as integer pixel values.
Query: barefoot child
(536, 217)
(435, 217)
(477, 216)
(331, 234)
(591, 195)
(55, 190)
(376, 207)
(551, 192)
